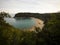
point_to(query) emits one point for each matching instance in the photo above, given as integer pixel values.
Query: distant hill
(45, 17)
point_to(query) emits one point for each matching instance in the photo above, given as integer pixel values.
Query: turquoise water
(21, 23)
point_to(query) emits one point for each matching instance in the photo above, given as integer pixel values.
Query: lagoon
(21, 23)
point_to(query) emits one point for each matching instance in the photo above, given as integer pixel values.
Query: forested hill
(50, 34)
(45, 16)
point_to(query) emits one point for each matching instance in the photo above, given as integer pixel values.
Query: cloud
(29, 5)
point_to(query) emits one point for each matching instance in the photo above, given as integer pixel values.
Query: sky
(36, 6)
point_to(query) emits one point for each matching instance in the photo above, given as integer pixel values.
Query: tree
(52, 30)
(4, 14)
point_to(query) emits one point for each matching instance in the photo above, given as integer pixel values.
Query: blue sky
(38, 6)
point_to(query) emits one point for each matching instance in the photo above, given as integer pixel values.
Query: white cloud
(30, 5)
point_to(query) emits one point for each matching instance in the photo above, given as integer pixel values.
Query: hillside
(45, 17)
(50, 35)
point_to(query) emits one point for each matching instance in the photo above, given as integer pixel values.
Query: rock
(39, 23)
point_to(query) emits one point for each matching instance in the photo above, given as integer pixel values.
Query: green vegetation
(4, 14)
(50, 35)
(44, 17)
(52, 30)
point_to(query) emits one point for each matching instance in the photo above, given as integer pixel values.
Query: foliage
(52, 30)
(4, 14)
(50, 35)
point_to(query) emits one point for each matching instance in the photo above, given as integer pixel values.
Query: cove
(21, 23)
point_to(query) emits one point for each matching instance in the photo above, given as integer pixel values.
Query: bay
(21, 23)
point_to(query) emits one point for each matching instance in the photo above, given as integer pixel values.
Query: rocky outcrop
(39, 23)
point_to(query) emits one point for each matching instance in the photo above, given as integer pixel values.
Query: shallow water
(21, 23)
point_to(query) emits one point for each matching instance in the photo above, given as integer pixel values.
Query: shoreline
(39, 24)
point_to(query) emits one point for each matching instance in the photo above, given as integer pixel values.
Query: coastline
(39, 24)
